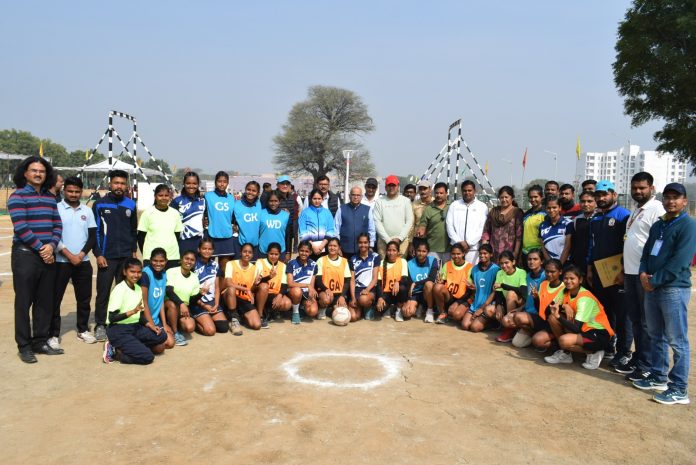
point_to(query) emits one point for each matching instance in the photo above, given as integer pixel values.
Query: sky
(211, 82)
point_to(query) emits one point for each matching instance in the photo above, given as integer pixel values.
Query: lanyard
(665, 225)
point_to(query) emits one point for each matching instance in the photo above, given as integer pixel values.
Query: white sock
(430, 310)
(295, 308)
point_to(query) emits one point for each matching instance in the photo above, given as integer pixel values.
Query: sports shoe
(621, 359)
(506, 335)
(650, 384)
(672, 396)
(419, 312)
(387, 312)
(86, 337)
(295, 319)
(108, 354)
(441, 319)
(593, 360)
(370, 314)
(100, 333)
(559, 356)
(235, 327)
(54, 343)
(398, 316)
(429, 317)
(625, 369)
(179, 339)
(637, 374)
(264, 323)
(322, 314)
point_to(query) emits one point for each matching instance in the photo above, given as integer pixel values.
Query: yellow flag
(86, 155)
(41, 150)
(486, 168)
(577, 148)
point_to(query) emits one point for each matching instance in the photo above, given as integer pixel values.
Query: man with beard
(551, 188)
(607, 229)
(431, 226)
(646, 212)
(569, 208)
(117, 225)
(465, 220)
(331, 200)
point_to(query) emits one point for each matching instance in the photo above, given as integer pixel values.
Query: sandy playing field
(416, 394)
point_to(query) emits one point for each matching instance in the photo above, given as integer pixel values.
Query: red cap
(391, 179)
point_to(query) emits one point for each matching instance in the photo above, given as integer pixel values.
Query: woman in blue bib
(246, 216)
(272, 225)
(219, 206)
(153, 283)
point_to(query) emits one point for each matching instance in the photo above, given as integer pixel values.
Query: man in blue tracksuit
(665, 273)
(117, 224)
(607, 231)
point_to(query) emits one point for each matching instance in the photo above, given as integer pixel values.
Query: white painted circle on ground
(389, 365)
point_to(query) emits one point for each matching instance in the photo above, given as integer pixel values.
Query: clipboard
(608, 269)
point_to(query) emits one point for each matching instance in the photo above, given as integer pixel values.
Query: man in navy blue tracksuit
(117, 223)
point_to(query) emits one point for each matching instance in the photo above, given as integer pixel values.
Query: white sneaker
(87, 337)
(559, 356)
(398, 316)
(429, 318)
(53, 343)
(593, 360)
(322, 314)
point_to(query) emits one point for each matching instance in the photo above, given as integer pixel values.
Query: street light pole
(347, 154)
(555, 164)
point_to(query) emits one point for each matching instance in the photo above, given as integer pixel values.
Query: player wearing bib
(422, 271)
(510, 288)
(531, 221)
(273, 224)
(272, 290)
(129, 340)
(246, 216)
(153, 284)
(183, 291)
(579, 323)
(553, 229)
(450, 291)
(483, 276)
(535, 276)
(536, 323)
(191, 206)
(160, 226)
(219, 206)
(301, 272)
(364, 267)
(241, 283)
(333, 280)
(395, 283)
(207, 312)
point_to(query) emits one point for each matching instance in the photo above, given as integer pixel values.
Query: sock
(295, 308)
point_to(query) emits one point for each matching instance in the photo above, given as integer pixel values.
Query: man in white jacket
(465, 220)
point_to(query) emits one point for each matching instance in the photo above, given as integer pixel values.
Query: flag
(486, 168)
(86, 155)
(41, 150)
(524, 159)
(577, 148)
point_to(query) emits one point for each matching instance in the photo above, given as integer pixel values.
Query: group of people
(214, 264)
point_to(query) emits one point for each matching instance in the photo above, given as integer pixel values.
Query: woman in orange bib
(332, 281)
(395, 283)
(450, 290)
(579, 323)
(241, 283)
(273, 287)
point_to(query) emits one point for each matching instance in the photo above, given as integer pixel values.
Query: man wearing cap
(665, 274)
(424, 199)
(393, 217)
(370, 198)
(352, 219)
(331, 200)
(465, 220)
(607, 230)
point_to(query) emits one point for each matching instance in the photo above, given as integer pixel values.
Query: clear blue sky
(212, 82)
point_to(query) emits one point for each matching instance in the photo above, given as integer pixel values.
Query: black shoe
(621, 359)
(48, 350)
(27, 356)
(637, 375)
(625, 368)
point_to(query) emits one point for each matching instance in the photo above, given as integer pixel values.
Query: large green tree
(655, 71)
(319, 129)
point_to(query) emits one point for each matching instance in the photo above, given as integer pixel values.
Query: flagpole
(524, 166)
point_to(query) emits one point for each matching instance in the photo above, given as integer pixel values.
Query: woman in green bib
(183, 290)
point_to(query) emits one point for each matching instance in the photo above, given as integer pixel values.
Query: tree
(319, 129)
(655, 68)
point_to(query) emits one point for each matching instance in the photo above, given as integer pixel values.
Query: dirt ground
(436, 395)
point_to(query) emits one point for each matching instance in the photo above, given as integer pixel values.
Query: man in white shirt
(370, 197)
(646, 212)
(465, 221)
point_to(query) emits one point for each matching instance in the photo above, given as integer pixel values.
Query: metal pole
(347, 154)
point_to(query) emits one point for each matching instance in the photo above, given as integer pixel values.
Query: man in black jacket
(331, 200)
(117, 223)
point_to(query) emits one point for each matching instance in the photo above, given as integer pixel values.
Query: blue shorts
(197, 311)
(224, 247)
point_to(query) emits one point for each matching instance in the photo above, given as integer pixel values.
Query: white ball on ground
(340, 316)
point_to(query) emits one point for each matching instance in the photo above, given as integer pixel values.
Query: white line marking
(390, 365)
(4, 253)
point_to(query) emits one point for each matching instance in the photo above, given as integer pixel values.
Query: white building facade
(620, 165)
